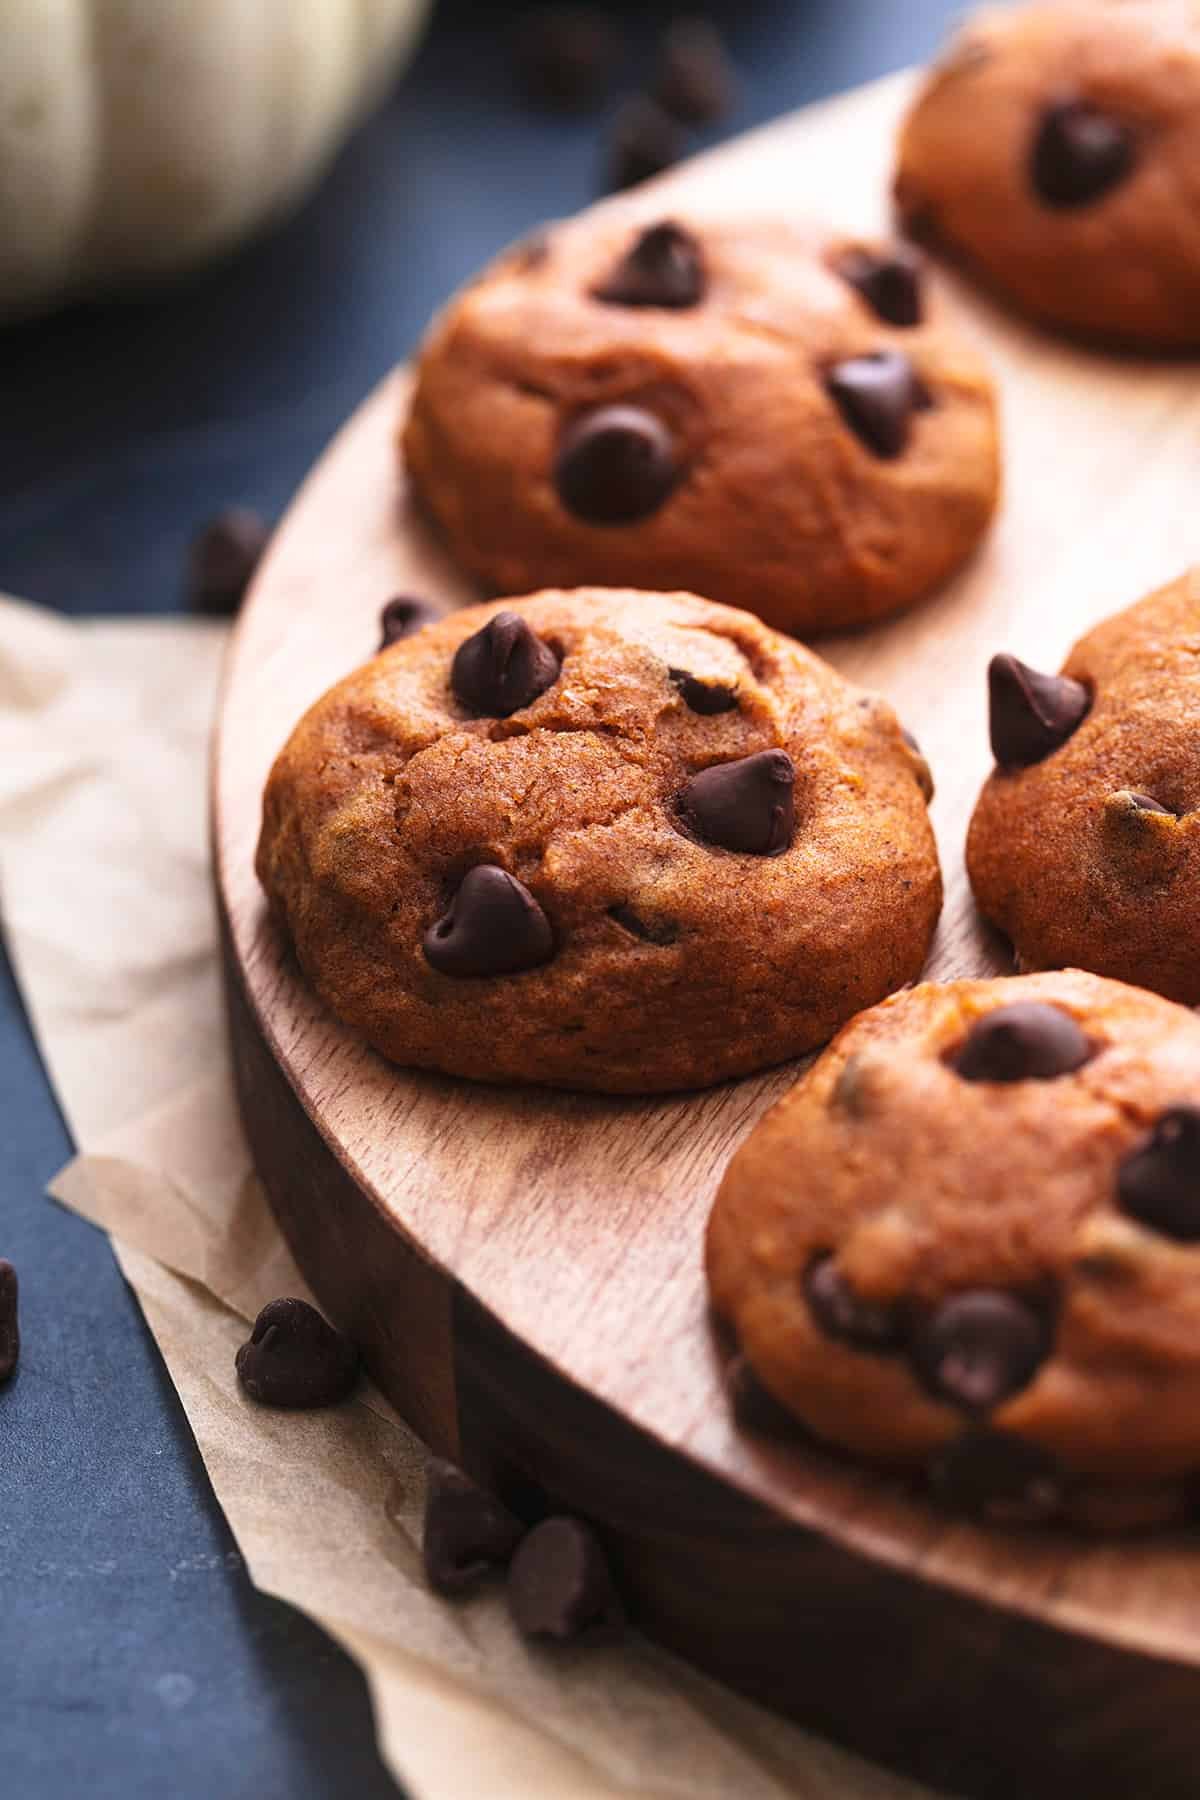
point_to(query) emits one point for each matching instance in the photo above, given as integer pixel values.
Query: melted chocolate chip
(665, 267)
(565, 56)
(1079, 154)
(747, 806)
(10, 1326)
(695, 81)
(1028, 1041)
(845, 1315)
(888, 280)
(1031, 715)
(493, 926)
(559, 1585)
(707, 697)
(467, 1531)
(294, 1358)
(645, 141)
(978, 1348)
(222, 560)
(503, 667)
(651, 931)
(877, 396)
(615, 465)
(403, 617)
(992, 1475)
(1159, 1182)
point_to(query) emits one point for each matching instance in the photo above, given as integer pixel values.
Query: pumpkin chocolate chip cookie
(1056, 150)
(968, 1243)
(610, 840)
(1085, 843)
(779, 419)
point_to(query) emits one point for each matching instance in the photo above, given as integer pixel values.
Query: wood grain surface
(524, 1268)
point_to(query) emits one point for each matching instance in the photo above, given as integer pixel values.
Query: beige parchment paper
(104, 888)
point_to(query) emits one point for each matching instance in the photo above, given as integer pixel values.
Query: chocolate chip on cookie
(1028, 1041)
(747, 806)
(493, 926)
(1159, 1182)
(877, 396)
(1079, 153)
(615, 465)
(467, 1532)
(977, 1348)
(663, 267)
(502, 668)
(1031, 715)
(889, 281)
(841, 1313)
(294, 1358)
(706, 697)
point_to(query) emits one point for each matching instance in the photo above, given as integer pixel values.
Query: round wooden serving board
(523, 1269)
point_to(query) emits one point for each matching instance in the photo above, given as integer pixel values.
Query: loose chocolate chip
(10, 1327)
(1159, 1182)
(992, 1475)
(294, 1358)
(559, 1584)
(1030, 714)
(651, 931)
(644, 142)
(565, 56)
(467, 1530)
(978, 1348)
(707, 697)
(222, 559)
(877, 396)
(502, 667)
(748, 805)
(1027, 1041)
(845, 1315)
(695, 80)
(1079, 154)
(494, 926)
(403, 617)
(615, 465)
(888, 280)
(665, 267)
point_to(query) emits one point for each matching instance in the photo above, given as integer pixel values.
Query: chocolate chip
(1145, 803)
(467, 1530)
(294, 1358)
(888, 280)
(844, 1315)
(615, 465)
(1028, 1041)
(565, 56)
(748, 805)
(502, 667)
(1079, 154)
(706, 697)
(559, 1585)
(644, 142)
(877, 396)
(665, 267)
(695, 80)
(222, 559)
(1159, 1182)
(978, 1348)
(992, 1475)
(494, 926)
(651, 931)
(403, 617)
(1030, 714)
(10, 1326)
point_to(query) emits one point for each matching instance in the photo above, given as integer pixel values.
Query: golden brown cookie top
(772, 414)
(1085, 843)
(600, 839)
(1056, 147)
(970, 1237)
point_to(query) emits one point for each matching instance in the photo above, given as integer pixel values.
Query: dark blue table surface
(135, 1658)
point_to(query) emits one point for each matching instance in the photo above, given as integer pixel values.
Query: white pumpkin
(139, 136)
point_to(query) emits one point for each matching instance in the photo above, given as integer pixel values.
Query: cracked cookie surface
(1085, 842)
(684, 850)
(775, 417)
(1055, 149)
(968, 1242)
